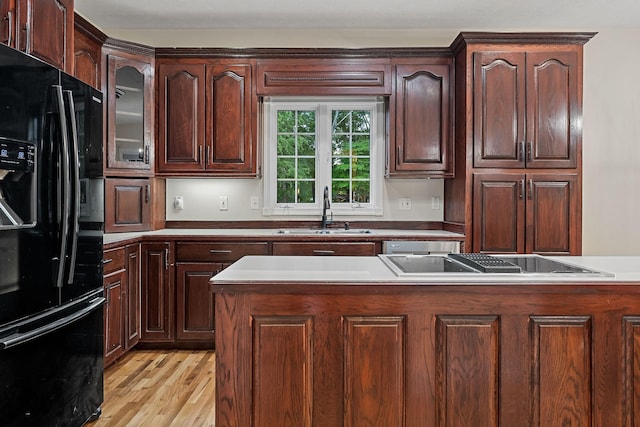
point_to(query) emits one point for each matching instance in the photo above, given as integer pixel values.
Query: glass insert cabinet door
(129, 117)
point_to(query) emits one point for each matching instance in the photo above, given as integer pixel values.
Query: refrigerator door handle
(66, 184)
(24, 337)
(75, 196)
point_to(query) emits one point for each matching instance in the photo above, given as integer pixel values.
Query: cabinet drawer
(325, 248)
(219, 252)
(113, 260)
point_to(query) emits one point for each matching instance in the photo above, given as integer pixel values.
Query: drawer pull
(323, 252)
(107, 261)
(220, 251)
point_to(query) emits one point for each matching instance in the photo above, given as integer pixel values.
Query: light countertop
(367, 270)
(274, 232)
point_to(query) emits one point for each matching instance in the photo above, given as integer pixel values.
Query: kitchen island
(308, 341)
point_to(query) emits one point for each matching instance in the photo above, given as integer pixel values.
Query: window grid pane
(296, 156)
(351, 158)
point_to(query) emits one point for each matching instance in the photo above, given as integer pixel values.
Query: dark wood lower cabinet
(157, 311)
(428, 356)
(115, 294)
(195, 301)
(526, 213)
(325, 248)
(132, 313)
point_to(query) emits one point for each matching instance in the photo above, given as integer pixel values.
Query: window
(313, 144)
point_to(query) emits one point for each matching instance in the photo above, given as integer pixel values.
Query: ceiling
(586, 15)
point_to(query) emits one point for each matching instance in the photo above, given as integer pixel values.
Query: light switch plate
(254, 202)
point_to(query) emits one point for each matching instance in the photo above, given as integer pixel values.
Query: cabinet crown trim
(472, 37)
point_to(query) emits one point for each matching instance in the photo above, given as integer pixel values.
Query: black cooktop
(482, 263)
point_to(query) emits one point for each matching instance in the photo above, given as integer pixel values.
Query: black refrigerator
(51, 227)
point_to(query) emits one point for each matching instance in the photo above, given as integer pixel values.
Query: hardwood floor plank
(172, 388)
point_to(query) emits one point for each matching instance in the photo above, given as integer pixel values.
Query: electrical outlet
(254, 201)
(405, 204)
(435, 202)
(224, 203)
(178, 203)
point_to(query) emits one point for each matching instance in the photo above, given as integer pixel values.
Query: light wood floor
(160, 389)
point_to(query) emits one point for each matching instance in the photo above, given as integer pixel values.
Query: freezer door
(52, 366)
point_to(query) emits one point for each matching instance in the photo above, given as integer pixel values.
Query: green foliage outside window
(350, 156)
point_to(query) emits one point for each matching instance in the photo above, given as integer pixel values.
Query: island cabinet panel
(283, 371)
(631, 339)
(418, 355)
(527, 108)
(561, 371)
(374, 370)
(467, 372)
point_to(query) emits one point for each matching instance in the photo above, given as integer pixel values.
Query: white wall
(611, 163)
(201, 200)
(611, 185)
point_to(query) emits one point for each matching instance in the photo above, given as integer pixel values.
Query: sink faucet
(325, 205)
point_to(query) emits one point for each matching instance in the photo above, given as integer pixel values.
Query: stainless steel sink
(327, 231)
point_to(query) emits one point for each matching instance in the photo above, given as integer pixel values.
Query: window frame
(323, 106)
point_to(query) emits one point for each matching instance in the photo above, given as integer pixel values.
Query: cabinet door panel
(498, 213)
(45, 30)
(87, 59)
(130, 113)
(132, 312)
(181, 126)
(229, 129)
(114, 285)
(7, 22)
(553, 109)
(498, 109)
(195, 301)
(423, 119)
(552, 214)
(324, 249)
(157, 293)
(127, 206)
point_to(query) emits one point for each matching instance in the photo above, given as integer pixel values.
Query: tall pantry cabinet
(518, 143)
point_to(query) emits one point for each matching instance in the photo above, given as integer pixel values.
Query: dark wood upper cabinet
(130, 114)
(518, 142)
(181, 89)
(421, 140)
(526, 213)
(8, 22)
(229, 125)
(526, 108)
(42, 28)
(88, 52)
(207, 120)
(134, 204)
(329, 76)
